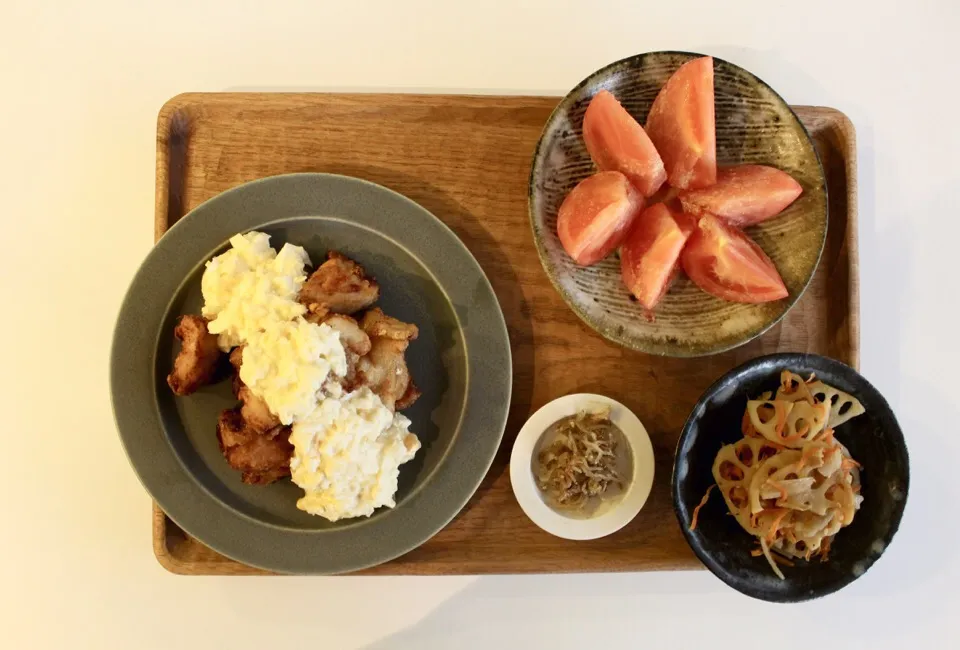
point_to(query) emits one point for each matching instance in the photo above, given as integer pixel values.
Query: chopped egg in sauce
(348, 446)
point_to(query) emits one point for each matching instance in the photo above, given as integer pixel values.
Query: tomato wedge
(682, 125)
(595, 216)
(617, 142)
(725, 263)
(650, 254)
(744, 195)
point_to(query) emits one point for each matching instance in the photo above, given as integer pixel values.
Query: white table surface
(84, 81)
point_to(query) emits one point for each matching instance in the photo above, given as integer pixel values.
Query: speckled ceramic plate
(461, 362)
(754, 125)
(874, 440)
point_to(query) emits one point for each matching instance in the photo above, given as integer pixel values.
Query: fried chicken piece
(236, 359)
(340, 285)
(265, 459)
(355, 343)
(265, 477)
(411, 395)
(199, 355)
(232, 430)
(384, 370)
(352, 337)
(255, 411)
(261, 457)
(236, 385)
(316, 313)
(375, 323)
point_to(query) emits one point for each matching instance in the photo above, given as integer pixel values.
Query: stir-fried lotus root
(790, 424)
(788, 481)
(733, 469)
(841, 406)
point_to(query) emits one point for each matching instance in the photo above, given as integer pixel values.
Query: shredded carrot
(696, 511)
(781, 413)
(757, 552)
(804, 458)
(786, 382)
(825, 548)
(789, 386)
(849, 463)
(789, 440)
(746, 426)
(827, 435)
(775, 525)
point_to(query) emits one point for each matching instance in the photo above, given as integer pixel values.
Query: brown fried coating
(196, 363)
(236, 357)
(352, 337)
(339, 285)
(262, 457)
(231, 429)
(265, 477)
(316, 313)
(377, 324)
(384, 370)
(355, 343)
(255, 411)
(411, 395)
(251, 437)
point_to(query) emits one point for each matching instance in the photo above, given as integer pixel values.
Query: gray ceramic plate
(754, 125)
(461, 362)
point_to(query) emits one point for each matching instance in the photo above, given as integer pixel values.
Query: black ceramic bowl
(874, 439)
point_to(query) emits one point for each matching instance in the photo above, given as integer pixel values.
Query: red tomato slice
(617, 142)
(682, 125)
(650, 253)
(595, 216)
(727, 264)
(744, 195)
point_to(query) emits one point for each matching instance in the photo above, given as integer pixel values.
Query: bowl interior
(874, 439)
(436, 360)
(754, 125)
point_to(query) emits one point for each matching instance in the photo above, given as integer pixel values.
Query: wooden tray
(466, 159)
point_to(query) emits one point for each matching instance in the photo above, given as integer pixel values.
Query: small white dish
(609, 519)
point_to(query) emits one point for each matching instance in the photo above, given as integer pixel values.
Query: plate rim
(169, 487)
(674, 352)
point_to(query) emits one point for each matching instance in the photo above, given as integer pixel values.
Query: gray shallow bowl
(874, 440)
(754, 125)
(461, 362)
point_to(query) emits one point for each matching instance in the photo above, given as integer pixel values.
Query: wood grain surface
(467, 160)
